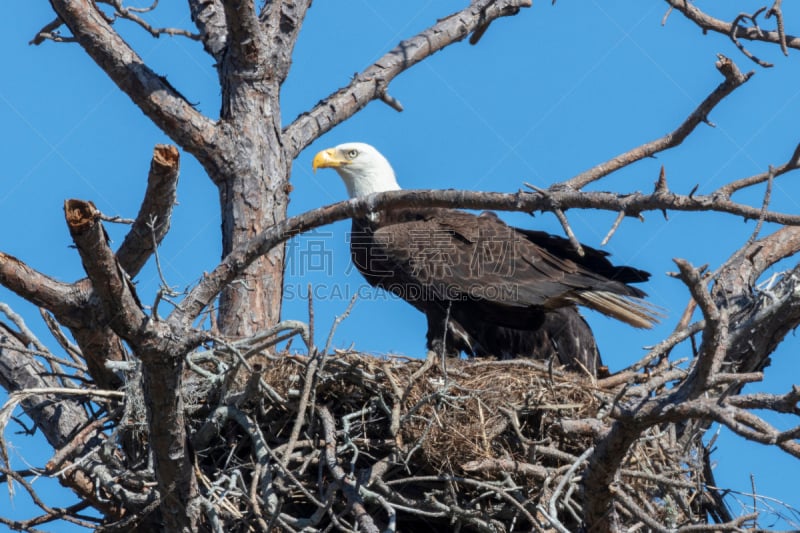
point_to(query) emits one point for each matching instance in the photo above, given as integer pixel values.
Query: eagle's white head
(362, 168)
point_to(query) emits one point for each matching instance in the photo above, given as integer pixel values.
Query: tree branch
(246, 45)
(50, 31)
(59, 420)
(162, 352)
(132, 14)
(715, 333)
(76, 305)
(763, 317)
(282, 20)
(209, 17)
(371, 84)
(748, 265)
(165, 106)
(70, 303)
(707, 22)
(792, 164)
(757, 324)
(155, 211)
(347, 483)
(112, 285)
(19, 371)
(740, 421)
(633, 204)
(788, 403)
(35, 287)
(733, 79)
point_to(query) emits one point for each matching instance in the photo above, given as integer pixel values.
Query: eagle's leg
(445, 337)
(566, 335)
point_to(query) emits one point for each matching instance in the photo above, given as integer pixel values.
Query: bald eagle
(486, 288)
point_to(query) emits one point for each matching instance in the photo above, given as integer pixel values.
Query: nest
(353, 441)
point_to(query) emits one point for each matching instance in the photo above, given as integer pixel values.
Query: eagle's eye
(352, 154)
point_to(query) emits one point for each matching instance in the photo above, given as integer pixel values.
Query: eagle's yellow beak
(327, 159)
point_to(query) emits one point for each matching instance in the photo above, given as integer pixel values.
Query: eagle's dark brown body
(489, 289)
(485, 287)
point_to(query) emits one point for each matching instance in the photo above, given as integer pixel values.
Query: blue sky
(544, 96)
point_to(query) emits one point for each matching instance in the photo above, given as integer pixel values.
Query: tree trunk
(253, 197)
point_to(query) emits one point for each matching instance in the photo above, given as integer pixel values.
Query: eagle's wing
(454, 255)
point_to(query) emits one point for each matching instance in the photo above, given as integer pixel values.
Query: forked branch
(371, 83)
(736, 31)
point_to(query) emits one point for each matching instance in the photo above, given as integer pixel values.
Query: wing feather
(456, 255)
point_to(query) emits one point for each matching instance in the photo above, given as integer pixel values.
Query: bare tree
(214, 429)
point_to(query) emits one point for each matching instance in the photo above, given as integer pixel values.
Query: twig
(79, 439)
(311, 321)
(388, 99)
(164, 288)
(73, 350)
(242, 358)
(213, 516)
(499, 491)
(707, 22)
(666, 16)
(431, 358)
(637, 511)
(115, 219)
(733, 525)
(735, 29)
(686, 317)
(17, 397)
(338, 320)
(305, 398)
(26, 334)
(50, 32)
(570, 234)
(364, 520)
(764, 207)
(495, 466)
(614, 226)
(130, 13)
(775, 11)
(792, 164)
(667, 344)
(566, 478)
(552, 520)
(69, 514)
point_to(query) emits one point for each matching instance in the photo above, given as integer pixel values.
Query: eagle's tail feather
(637, 312)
